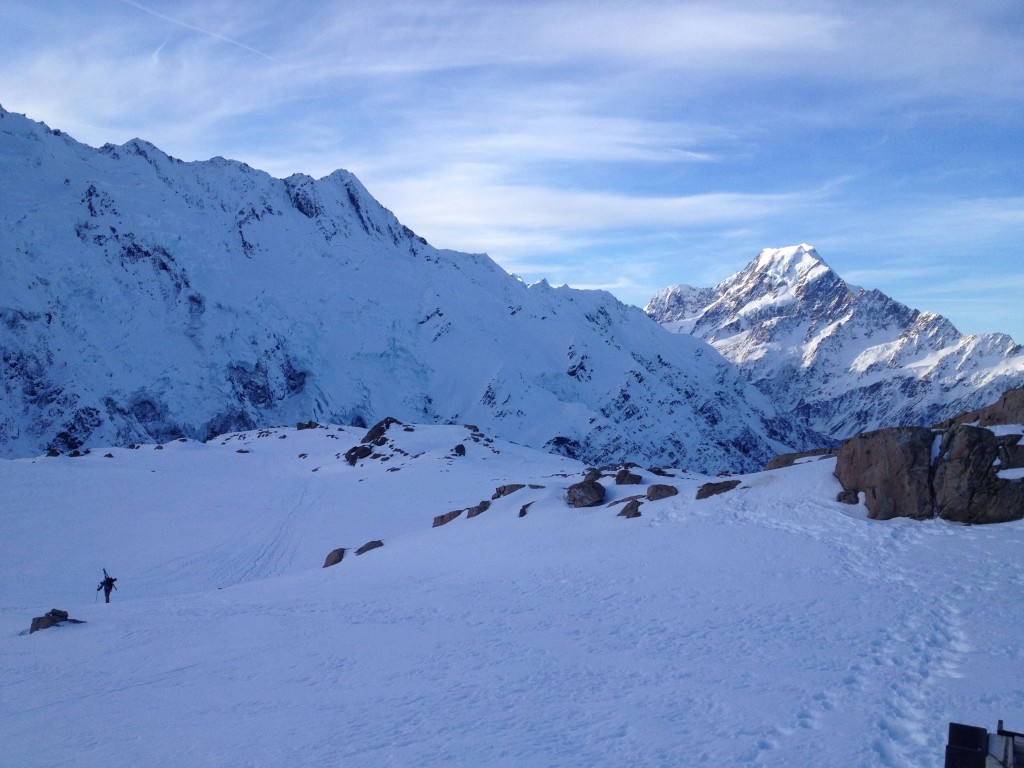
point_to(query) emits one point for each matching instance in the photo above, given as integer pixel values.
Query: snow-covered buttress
(144, 298)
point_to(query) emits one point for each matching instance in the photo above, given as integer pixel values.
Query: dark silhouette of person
(107, 584)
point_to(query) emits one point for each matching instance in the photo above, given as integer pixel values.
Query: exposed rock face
(357, 452)
(52, 618)
(587, 493)
(967, 486)
(370, 545)
(334, 557)
(1009, 409)
(446, 518)
(625, 477)
(713, 489)
(660, 491)
(483, 506)
(377, 431)
(630, 509)
(789, 459)
(892, 467)
(505, 490)
(899, 477)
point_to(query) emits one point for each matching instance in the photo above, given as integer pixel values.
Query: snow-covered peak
(145, 298)
(791, 264)
(780, 275)
(844, 359)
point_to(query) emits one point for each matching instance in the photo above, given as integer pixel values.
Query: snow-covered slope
(768, 626)
(840, 358)
(143, 298)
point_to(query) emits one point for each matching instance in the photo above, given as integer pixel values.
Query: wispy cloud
(624, 147)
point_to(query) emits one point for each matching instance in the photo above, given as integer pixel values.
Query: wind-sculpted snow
(144, 298)
(838, 358)
(770, 625)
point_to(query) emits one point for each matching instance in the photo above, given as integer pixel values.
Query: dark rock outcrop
(483, 506)
(713, 489)
(967, 486)
(587, 493)
(789, 459)
(505, 490)
(370, 545)
(630, 509)
(659, 491)
(446, 518)
(52, 618)
(376, 432)
(334, 557)
(357, 452)
(899, 477)
(892, 468)
(625, 477)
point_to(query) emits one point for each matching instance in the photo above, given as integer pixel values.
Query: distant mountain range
(835, 357)
(143, 298)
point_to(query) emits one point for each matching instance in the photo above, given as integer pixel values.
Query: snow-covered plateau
(143, 299)
(769, 625)
(835, 357)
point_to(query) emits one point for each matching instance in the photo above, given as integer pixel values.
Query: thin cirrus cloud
(589, 143)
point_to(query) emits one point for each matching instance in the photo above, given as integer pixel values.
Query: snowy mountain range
(836, 357)
(143, 298)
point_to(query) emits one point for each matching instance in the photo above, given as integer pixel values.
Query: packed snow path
(765, 626)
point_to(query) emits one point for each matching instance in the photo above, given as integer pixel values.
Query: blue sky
(591, 143)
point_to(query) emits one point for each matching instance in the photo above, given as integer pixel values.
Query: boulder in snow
(586, 493)
(660, 491)
(713, 489)
(52, 618)
(334, 557)
(892, 468)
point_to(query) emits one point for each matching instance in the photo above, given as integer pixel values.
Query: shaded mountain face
(143, 298)
(838, 358)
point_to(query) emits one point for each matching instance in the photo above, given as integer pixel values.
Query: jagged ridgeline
(838, 358)
(143, 298)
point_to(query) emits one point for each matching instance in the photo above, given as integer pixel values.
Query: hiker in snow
(107, 584)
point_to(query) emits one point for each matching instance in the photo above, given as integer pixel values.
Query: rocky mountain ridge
(839, 358)
(143, 298)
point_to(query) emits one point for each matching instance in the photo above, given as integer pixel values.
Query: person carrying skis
(107, 584)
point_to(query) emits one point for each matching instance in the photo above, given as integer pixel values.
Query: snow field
(765, 626)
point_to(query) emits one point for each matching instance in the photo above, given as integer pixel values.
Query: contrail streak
(157, 15)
